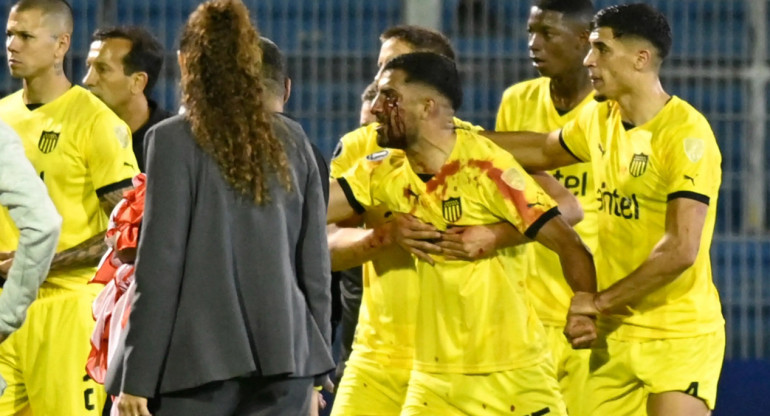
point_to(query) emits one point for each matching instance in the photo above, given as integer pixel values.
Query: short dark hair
(273, 67)
(369, 92)
(431, 69)
(582, 10)
(145, 55)
(422, 39)
(59, 8)
(637, 20)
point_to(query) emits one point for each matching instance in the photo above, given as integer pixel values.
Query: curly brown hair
(222, 92)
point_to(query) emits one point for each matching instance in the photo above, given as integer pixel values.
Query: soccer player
(366, 117)
(35, 216)
(657, 173)
(82, 152)
(558, 42)
(123, 67)
(478, 343)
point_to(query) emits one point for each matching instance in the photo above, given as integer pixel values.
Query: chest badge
(452, 209)
(638, 165)
(48, 141)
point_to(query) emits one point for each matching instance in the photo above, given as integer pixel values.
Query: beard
(391, 132)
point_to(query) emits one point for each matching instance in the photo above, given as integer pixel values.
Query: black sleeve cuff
(689, 195)
(564, 145)
(358, 208)
(537, 225)
(104, 190)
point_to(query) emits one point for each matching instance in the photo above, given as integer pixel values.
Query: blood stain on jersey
(439, 180)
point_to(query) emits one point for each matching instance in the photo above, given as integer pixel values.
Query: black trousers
(257, 396)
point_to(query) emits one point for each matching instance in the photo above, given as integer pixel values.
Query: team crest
(452, 209)
(48, 141)
(638, 165)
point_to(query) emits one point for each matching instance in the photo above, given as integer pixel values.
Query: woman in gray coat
(232, 309)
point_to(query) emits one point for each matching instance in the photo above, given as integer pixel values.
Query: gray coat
(225, 288)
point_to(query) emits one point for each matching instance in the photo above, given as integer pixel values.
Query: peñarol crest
(452, 209)
(638, 165)
(48, 141)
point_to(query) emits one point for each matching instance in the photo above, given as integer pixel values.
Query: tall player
(558, 42)
(82, 152)
(657, 172)
(478, 344)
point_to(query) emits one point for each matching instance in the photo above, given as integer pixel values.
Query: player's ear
(62, 45)
(139, 81)
(643, 58)
(429, 107)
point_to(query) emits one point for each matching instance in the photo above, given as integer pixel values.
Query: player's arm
(675, 252)
(575, 258)
(578, 266)
(26, 198)
(350, 247)
(89, 252)
(534, 151)
(475, 242)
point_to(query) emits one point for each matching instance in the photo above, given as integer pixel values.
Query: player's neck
(136, 112)
(45, 88)
(642, 104)
(429, 153)
(570, 89)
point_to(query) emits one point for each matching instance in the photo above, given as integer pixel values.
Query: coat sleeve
(160, 258)
(39, 224)
(313, 264)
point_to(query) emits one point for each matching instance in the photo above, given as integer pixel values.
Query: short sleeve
(508, 107)
(109, 154)
(515, 196)
(348, 151)
(692, 166)
(574, 136)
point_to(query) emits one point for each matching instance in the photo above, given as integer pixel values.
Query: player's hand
(468, 243)
(6, 261)
(415, 236)
(580, 331)
(129, 405)
(583, 303)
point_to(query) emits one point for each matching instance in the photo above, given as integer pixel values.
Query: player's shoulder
(526, 89)
(475, 146)
(355, 145)
(681, 121)
(362, 136)
(12, 100)
(89, 106)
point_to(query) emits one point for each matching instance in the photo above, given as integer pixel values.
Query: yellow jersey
(386, 319)
(637, 172)
(527, 106)
(80, 150)
(473, 317)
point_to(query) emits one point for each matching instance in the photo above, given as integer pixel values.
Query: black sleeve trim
(104, 190)
(350, 196)
(537, 225)
(564, 145)
(689, 195)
